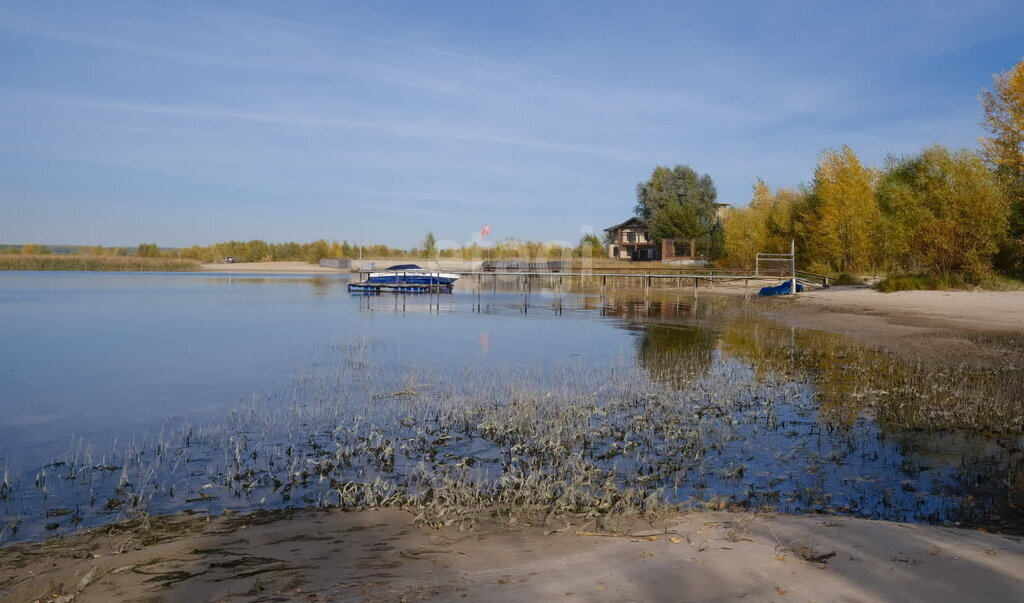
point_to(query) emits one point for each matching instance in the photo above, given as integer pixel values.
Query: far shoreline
(271, 268)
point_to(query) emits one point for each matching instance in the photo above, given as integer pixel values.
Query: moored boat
(411, 274)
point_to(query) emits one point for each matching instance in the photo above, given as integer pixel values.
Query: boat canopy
(404, 267)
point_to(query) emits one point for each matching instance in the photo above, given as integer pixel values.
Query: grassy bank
(96, 263)
(947, 282)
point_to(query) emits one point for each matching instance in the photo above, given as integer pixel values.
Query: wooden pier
(673, 278)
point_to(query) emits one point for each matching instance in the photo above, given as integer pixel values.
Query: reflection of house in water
(633, 307)
(674, 353)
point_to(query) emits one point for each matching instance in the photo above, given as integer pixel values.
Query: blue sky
(180, 123)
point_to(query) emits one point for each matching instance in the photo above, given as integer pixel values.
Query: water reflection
(934, 426)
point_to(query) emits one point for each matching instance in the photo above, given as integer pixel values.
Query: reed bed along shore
(739, 426)
(96, 263)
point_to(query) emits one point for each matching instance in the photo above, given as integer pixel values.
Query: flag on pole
(486, 231)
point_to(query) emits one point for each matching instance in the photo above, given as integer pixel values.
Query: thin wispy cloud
(536, 118)
(397, 128)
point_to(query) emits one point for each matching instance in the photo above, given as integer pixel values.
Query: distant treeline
(95, 263)
(261, 251)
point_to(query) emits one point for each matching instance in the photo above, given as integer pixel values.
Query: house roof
(632, 222)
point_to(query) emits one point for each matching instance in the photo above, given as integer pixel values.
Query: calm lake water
(105, 371)
(106, 354)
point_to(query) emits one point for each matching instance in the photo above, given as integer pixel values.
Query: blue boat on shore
(784, 288)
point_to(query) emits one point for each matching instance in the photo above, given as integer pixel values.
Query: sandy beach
(974, 310)
(979, 327)
(380, 555)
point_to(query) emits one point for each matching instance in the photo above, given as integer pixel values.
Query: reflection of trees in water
(321, 285)
(989, 471)
(963, 423)
(852, 379)
(670, 306)
(675, 355)
(941, 417)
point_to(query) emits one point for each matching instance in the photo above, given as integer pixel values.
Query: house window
(631, 237)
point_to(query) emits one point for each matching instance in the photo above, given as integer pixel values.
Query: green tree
(843, 226)
(31, 249)
(945, 212)
(148, 250)
(430, 246)
(336, 251)
(317, 251)
(680, 203)
(675, 221)
(256, 251)
(590, 246)
(1004, 153)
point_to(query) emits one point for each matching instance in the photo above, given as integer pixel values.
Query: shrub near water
(923, 282)
(96, 263)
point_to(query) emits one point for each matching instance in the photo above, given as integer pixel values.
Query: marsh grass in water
(96, 263)
(734, 422)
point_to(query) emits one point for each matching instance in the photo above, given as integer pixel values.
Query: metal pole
(792, 260)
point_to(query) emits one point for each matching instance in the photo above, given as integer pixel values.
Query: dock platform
(377, 288)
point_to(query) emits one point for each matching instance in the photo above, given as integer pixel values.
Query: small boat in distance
(411, 274)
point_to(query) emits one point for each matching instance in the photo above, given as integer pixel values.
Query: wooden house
(631, 240)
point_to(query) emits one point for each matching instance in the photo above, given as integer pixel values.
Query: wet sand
(972, 310)
(978, 327)
(381, 555)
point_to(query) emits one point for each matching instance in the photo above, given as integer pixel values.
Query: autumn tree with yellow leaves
(845, 217)
(1004, 153)
(768, 224)
(945, 213)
